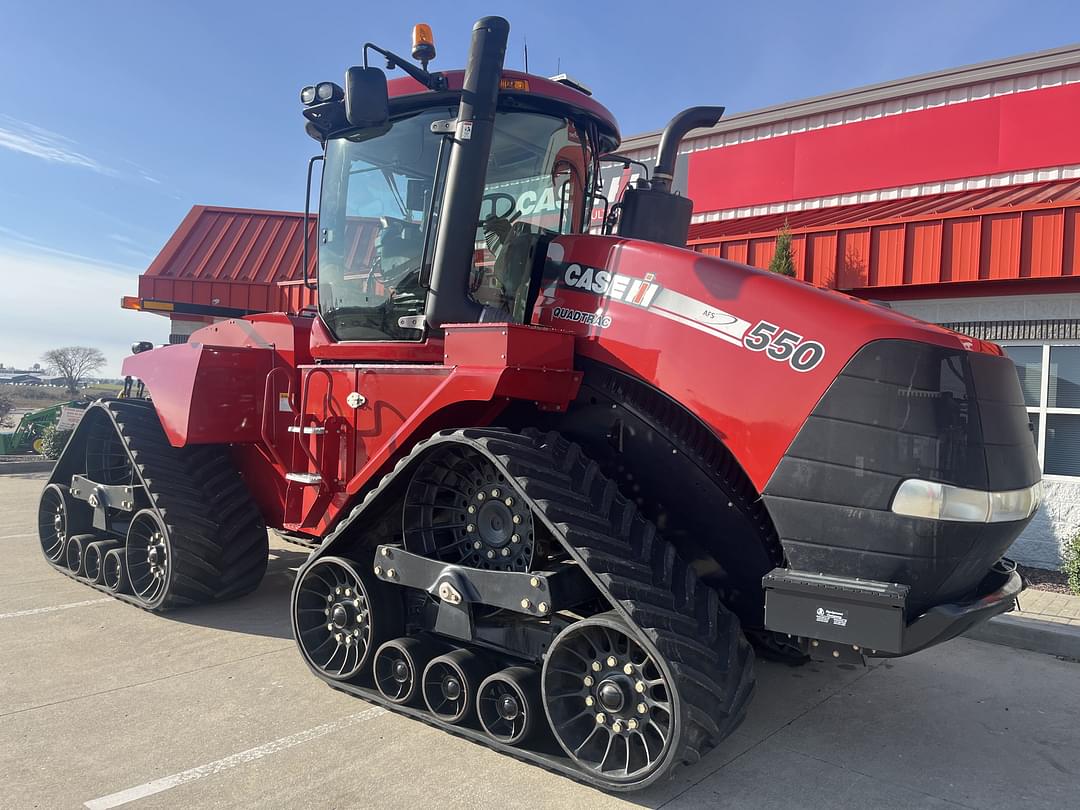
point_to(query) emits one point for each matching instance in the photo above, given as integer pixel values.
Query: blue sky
(116, 117)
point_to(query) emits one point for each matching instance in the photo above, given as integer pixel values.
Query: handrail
(304, 411)
(269, 408)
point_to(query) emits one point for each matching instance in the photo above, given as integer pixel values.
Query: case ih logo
(627, 289)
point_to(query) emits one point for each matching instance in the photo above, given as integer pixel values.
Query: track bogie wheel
(59, 517)
(75, 553)
(450, 684)
(610, 702)
(113, 571)
(398, 665)
(94, 558)
(342, 614)
(507, 703)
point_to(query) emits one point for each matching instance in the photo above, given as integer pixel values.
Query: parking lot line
(52, 608)
(16, 536)
(168, 782)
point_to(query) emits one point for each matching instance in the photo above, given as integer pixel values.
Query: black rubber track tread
(218, 539)
(643, 577)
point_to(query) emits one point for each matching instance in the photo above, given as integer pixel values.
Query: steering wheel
(495, 198)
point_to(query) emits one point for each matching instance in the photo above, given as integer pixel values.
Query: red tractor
(562, 484)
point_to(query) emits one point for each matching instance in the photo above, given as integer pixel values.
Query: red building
(952, 196)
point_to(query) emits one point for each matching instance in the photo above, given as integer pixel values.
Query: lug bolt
(391, 573)
(589, 700)
(330, 627)
(628, 669)
(478, 545)
(356, 632)
(337, 591)
(356, 603)
(480, 496)
(543, 607)
(378, 570)
(495, 493)
(385, 551)
(506, 552)
(612, 661)
(329, 597)
(491, 554)
(337, 637)
(326, 612)
(471, 510)
(509, 501)
(642, 708)
(616, 727)
(517, 519)
(348, 641)
(535, 582)
(632, 723)
(470, 528)
(640, 687)
(589, 680)
(596, 666)
(525, 603)
(600, 718)
(348, 591)
(515, 538)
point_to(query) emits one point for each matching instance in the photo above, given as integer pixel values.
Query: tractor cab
(437, 202)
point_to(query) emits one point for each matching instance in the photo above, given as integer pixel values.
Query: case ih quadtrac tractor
(562, 483)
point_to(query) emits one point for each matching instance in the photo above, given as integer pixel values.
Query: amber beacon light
(423, 44)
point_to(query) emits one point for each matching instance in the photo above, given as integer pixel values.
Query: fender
(209, 390)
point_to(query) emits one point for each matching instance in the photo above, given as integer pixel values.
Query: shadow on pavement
(262, 613)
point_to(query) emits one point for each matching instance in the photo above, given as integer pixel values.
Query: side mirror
(367, 103)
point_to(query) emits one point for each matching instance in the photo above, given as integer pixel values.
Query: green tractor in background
(29, 434)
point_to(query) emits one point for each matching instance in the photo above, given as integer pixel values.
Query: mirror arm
(432, 81)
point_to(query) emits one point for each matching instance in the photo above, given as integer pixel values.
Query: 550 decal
(783, 345)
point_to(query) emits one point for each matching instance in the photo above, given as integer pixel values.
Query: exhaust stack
(652, 211)
(448, 300)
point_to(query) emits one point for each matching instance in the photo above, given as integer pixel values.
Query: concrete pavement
(103, 705)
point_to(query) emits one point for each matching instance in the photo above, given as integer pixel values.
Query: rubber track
(218, 539)
(671, 611)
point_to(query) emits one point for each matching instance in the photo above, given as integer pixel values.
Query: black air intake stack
(652, 211)
(448, 299)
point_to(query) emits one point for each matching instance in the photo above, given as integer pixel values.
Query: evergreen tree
(783, 261)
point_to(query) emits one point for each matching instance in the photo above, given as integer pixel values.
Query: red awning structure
(231, 261)
(1005, 234)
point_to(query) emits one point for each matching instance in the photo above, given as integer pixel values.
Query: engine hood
(747, 351)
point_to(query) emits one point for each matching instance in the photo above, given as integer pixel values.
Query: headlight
(929, 499)
(327, 91)
(307, 95)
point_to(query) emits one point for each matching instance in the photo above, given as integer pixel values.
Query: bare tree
(73, 363)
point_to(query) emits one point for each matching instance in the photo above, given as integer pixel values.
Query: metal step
(309, 429)
(307, 479)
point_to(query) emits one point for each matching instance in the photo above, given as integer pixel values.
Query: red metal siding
(1006, 133)
(1001, 234)
(233, 258)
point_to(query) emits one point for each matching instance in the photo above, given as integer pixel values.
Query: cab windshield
(380, 208)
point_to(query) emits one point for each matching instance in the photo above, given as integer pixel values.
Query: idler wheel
(342, 614)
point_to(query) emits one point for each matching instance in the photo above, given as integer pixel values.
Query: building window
(1050, 379)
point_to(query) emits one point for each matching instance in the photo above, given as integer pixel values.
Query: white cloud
(19, 136)
(57, 299)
